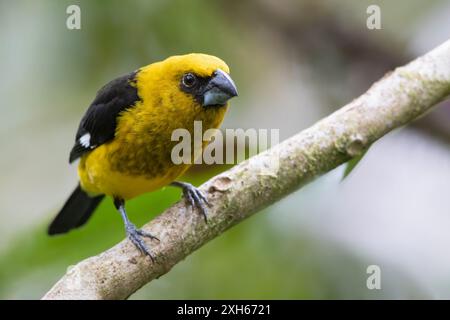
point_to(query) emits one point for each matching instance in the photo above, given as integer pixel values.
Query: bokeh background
(294, 63)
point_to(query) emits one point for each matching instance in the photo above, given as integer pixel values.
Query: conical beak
(219, 89)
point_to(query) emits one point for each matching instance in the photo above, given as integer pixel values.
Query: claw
(197, 199)
(146, 234)
(194, 197)
(189, 199)
(135, 235)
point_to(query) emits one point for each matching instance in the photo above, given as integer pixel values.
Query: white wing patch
(85, 140)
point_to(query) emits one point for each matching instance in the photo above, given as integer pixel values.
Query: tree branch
(395, 100)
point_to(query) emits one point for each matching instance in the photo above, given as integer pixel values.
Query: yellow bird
(124, 139)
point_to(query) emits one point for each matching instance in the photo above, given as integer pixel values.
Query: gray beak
(219, 89)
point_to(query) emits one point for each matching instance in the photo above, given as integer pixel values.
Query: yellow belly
(97, 176)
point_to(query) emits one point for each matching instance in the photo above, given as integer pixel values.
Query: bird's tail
(75, 212)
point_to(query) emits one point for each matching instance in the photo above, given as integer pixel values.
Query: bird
(123, 142)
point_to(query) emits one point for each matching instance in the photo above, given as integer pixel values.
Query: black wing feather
(100, 119)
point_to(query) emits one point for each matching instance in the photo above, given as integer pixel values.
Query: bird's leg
(194, 196)
(133, 233)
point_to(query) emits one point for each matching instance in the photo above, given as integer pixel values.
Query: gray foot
(135, 235)
(194, 197)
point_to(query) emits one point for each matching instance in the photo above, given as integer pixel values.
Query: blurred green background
(294, 62)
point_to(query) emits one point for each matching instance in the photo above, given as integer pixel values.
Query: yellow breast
(138, 159)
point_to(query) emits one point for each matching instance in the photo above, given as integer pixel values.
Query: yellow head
(196, 81)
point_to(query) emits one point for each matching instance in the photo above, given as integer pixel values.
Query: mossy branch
(395, 100)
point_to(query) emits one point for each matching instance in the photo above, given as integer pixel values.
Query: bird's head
(193, 79)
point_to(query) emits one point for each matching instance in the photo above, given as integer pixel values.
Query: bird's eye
(189, 80)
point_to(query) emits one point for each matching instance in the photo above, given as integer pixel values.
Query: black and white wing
(98, 124)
